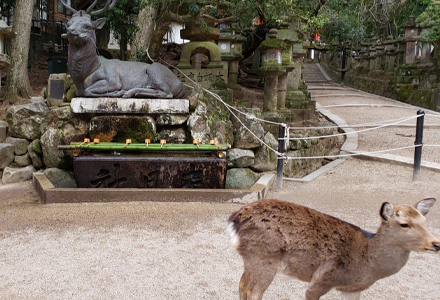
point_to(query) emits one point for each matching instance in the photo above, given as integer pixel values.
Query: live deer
(275, 236)
(96, 76)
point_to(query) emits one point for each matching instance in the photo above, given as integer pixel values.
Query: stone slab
(48, 194)
(107, 105)
(139, 171)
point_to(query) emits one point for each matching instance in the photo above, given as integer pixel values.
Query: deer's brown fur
(275, 236)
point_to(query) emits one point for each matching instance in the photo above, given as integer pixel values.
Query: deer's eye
(404, 225)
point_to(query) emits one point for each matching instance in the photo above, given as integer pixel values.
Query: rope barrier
(229, 107)
(285, 157)
(351, 154)
(353, 132)
(367, 105)
(362, 125)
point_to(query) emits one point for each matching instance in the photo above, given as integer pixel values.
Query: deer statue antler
(108, 6)
(68, 7)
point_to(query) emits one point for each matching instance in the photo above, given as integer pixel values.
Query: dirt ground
(150, 250)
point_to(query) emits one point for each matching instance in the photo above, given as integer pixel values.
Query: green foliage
(430, 19)
(122, 19)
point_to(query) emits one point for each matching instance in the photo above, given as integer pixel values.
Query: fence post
(419, 141)
(344, 53)
(280, 162)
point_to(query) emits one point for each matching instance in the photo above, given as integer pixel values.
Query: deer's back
(299, 237)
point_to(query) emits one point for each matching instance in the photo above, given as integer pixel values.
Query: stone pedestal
(270, 93)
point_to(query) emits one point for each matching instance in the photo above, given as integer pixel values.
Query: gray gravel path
(149, 250)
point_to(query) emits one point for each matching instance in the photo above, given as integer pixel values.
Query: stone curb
(49, 194)
(396, 160)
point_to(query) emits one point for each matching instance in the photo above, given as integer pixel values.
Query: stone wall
(36, 130)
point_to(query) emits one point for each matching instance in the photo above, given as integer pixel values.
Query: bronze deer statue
(275, 236)
(96, 76)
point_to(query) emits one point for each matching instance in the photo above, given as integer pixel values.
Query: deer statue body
(275, 236)
(96, 76)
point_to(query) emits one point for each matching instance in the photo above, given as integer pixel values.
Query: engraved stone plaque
(142, 171)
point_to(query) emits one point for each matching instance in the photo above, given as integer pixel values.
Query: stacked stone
(33, 132)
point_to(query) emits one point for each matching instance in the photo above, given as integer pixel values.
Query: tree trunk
(17, 82)
(162, 28)
(142, 38)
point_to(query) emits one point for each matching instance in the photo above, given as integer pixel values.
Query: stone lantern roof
(6, 30)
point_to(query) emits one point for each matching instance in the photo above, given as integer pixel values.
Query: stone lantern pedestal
(5, 61)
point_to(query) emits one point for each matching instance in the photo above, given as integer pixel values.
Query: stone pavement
(350, 107)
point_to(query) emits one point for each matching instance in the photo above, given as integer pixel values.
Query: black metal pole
(280, 163)
(419, 143)
(343, 65)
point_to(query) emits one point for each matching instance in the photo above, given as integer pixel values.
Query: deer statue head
(81, 27)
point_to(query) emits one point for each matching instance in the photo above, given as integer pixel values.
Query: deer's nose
(436, 246)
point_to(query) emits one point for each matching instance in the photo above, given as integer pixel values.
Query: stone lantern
(289, 37)
(201, 43)
(411, 38)
(236, 49)
(5, 61)
(271, 68)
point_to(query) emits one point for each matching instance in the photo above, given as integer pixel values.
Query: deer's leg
(316, 290)
(351, 296)
(103, 88)
(319, 285)
(255, 280)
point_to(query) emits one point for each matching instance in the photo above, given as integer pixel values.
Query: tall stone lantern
(411, 38)
(5, 61)
(271, 68)
(236, 49)
(289, 37)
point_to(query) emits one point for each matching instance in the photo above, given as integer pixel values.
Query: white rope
(351, 154)
(432, 115)
(249, 116)
(367, 105)
(353, 132)
(362, 125)
(230, 108)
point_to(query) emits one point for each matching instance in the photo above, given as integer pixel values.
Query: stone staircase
(312, 75)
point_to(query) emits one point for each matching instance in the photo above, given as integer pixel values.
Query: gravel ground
(148, 250)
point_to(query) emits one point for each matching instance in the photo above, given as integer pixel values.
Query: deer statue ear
(386, 211)
(65, 20)
(424, 205)
(99, 23)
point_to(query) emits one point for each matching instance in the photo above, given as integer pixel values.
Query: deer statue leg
(351, 296)
(147, 92)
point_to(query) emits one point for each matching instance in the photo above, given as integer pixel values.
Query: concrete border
(396, 160)
(49, 194)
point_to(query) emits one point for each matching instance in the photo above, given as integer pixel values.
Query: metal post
(419, 143)
(343, 65)
(280, 163)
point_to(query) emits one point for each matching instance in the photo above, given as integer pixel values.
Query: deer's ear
(65, 20)
(386, 211)
(425, 205)
(99, 23)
